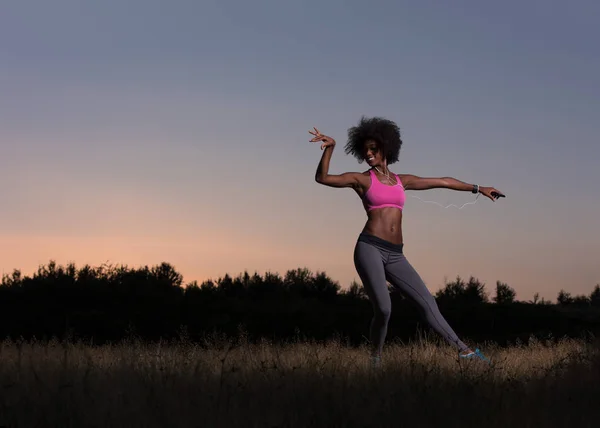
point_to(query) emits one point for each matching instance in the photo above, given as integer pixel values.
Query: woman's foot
(375, 361)
(469, 353)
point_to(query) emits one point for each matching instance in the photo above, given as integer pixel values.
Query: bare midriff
(385, 223)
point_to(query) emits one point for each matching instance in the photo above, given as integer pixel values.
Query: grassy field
(298, 385)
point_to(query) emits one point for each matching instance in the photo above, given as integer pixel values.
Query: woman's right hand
(327, 141)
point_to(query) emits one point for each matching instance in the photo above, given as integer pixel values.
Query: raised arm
(413, 182)
(322, 176)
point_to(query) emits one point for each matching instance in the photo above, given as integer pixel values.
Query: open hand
(327, 141)
(491, 193)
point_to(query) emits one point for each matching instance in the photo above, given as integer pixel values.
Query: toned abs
(385, 223)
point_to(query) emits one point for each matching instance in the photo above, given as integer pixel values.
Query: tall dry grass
(296, 385)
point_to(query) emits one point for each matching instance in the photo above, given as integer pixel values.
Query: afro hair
(385, 132)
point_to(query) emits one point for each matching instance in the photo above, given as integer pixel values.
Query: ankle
(375, 361)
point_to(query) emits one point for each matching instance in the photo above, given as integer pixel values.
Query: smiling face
(373, 154)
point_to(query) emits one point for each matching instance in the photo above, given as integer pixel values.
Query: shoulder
(406, 179)
(362, 179)
(365, 176)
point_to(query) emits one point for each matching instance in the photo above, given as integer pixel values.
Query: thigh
(404, 278)
(368, 261)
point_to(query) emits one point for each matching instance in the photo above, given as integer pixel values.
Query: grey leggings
(378, 261)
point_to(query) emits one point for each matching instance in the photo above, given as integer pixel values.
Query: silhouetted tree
(475, 292)
(14, 280)
(504, 293)
(298, 281)
(229, 287)
(356, 290)
(537, 301)
(274, 282)
(324, 287)
(595, 296)
(581, 300)
(536, 297)
(452, 291)
(192, 289)
(103, 302)
(564, 298)
(269, 286)
(208, 287)
(461, 292)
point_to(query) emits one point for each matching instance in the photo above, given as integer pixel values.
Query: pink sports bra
(380, 195)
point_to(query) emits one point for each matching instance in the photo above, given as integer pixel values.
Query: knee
(383, 313)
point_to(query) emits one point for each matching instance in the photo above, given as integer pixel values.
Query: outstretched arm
(413, 182)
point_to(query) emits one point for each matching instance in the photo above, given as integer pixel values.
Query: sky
(140, 131)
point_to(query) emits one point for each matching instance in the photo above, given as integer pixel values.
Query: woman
(378, 253)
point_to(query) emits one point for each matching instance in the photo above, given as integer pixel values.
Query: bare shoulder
(363, 180)
(407, 179)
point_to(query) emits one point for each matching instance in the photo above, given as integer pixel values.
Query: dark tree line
(108, 303)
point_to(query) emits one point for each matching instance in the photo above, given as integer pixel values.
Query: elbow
(446, 183)
(319, 179)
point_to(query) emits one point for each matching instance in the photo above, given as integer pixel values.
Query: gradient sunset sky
(142, 131)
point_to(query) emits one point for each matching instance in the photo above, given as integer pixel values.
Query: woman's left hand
(491, 193)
